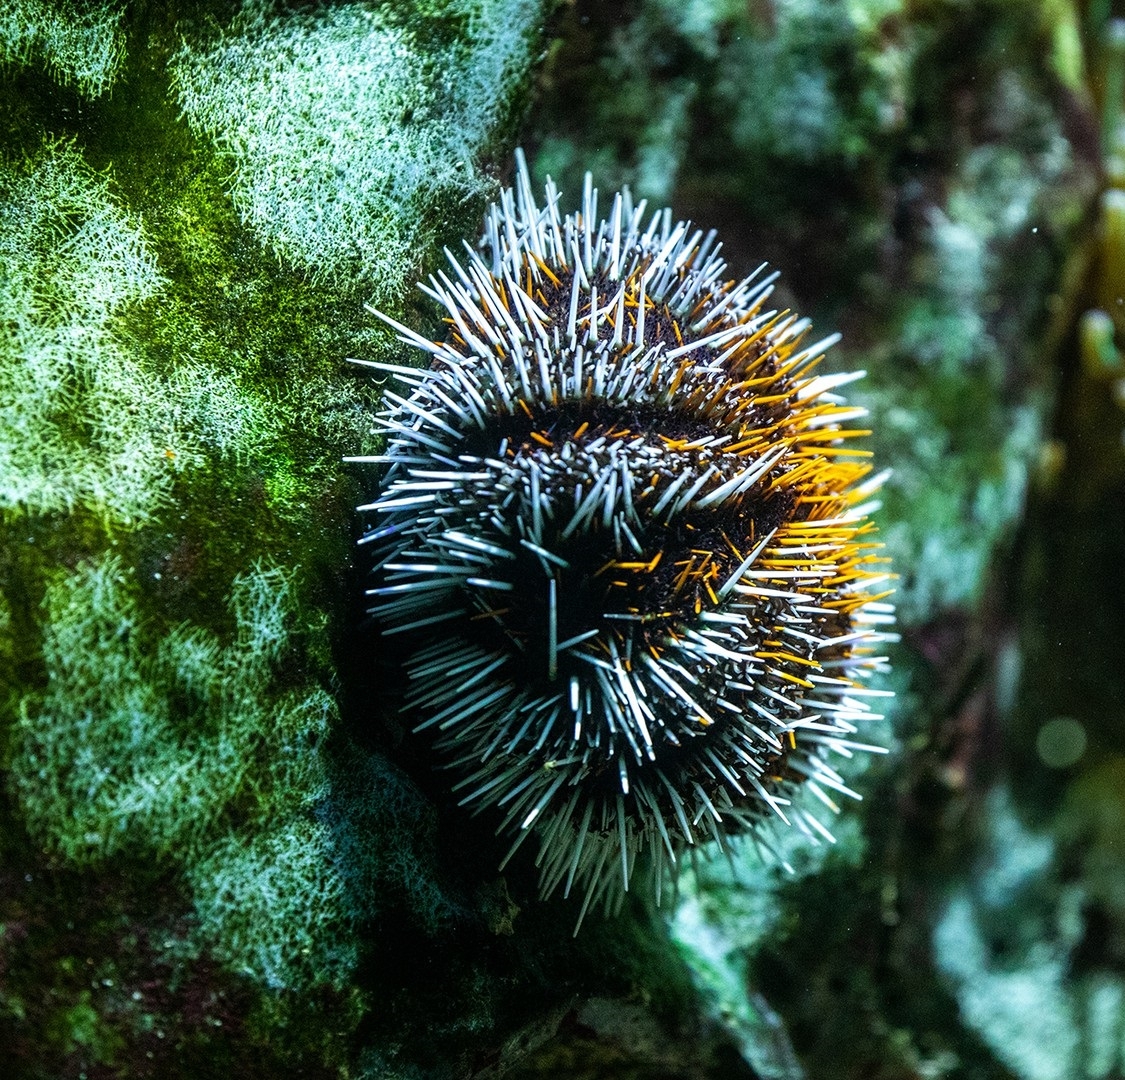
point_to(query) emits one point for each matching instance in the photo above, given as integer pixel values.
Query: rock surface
(221, 852)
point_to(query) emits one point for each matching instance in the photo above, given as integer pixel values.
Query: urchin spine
(627, 530)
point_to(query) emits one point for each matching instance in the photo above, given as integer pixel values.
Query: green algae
(174, 579)
(80, 44)
(338, 183)
(82, 426)
(151, 742)
(189, 715)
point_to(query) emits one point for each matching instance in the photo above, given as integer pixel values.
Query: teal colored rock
(1010, 942)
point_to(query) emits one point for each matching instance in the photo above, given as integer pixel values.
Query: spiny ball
(625, 527)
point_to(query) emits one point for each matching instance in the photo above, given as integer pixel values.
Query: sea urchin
(627, 534)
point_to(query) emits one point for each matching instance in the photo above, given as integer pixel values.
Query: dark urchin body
(628, 536)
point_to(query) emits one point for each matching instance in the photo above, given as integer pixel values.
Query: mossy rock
(221, 851)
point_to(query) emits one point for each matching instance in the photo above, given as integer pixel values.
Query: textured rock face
(218, 854)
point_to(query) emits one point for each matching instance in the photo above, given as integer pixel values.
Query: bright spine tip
(625, 529)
